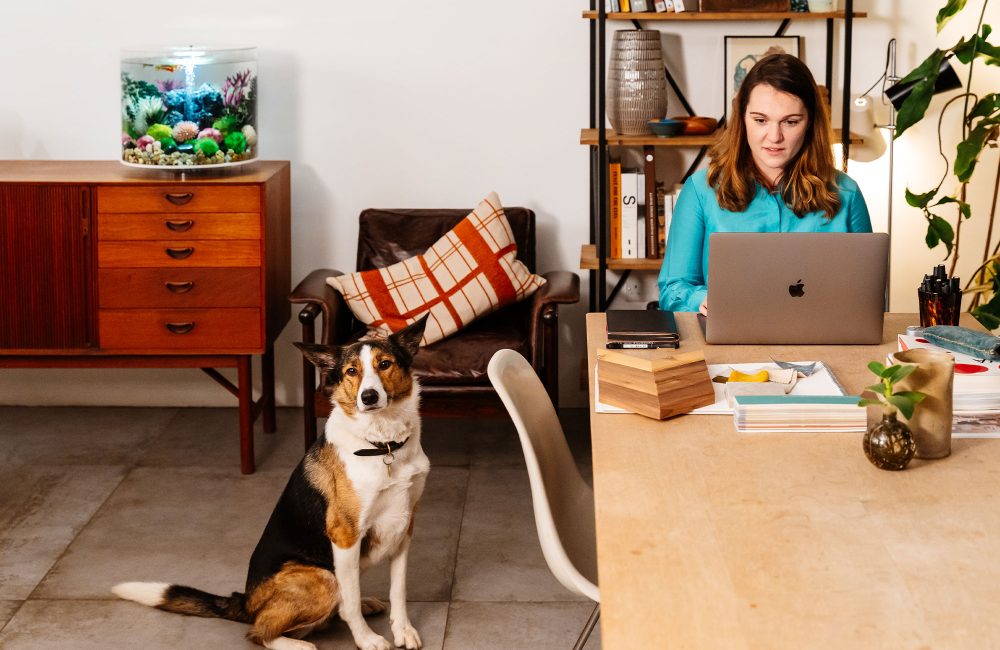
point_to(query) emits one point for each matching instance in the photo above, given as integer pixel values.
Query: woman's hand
(703, 308)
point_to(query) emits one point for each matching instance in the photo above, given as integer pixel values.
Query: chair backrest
(562, 500)
(389, 236)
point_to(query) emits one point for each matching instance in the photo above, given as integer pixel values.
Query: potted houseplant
(980, 119)
(888, 444)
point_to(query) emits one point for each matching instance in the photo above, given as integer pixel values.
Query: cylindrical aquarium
(189, 107)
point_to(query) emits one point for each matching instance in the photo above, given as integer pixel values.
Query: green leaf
(876, 367)
(915, 395)
(897, 372)
(985, 107)
(919, 200)
(878, 389)
(939, 231)
(869, 402)
(977, 47)
(969, 149)
(988, 314)
(964, 208)
(949, 10)
(904, 405)
(915, 105)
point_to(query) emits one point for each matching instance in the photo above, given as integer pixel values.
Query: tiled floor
(91, 497)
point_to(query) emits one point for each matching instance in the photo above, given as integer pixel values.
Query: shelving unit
(594, 255)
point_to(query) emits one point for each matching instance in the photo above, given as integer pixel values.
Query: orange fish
(168, 68)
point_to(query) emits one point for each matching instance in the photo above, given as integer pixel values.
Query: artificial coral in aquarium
(165, 123)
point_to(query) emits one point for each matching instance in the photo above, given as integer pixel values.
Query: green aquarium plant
(980, 119)
(886, 396)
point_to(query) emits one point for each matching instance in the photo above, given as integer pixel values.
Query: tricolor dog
(348, 505)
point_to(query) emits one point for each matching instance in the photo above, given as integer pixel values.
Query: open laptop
(796, 288)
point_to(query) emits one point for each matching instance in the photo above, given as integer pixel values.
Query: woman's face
(776, 124)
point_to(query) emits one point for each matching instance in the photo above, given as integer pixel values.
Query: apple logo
(797, 290)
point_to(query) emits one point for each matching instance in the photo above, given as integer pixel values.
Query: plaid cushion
(469, 272)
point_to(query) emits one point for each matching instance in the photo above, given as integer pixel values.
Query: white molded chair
(563, 502)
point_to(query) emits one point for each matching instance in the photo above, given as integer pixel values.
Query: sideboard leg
(245, 381)
(267, 388)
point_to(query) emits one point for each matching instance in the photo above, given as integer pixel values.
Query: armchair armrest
(560, 287)
(320, 297)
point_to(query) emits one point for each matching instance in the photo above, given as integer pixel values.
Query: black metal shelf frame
(599, 191)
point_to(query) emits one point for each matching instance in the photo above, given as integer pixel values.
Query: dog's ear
(409, 337)
(324, 357)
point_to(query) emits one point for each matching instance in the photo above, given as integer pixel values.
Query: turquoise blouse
(697, 215)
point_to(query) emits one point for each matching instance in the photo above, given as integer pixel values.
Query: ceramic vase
(889, 444)
(637, 83)
(931, 422)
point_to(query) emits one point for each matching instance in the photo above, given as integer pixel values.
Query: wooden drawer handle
(180, 226)
(179, 287)
(180, 253)
(180, 328)
(179, 199)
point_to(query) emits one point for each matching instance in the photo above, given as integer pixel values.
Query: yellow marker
(760, 376)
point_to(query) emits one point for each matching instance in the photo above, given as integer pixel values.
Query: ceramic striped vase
(637, 84)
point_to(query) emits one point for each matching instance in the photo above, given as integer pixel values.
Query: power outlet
(632, 291)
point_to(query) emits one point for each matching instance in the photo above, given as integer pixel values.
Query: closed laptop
(796, 288)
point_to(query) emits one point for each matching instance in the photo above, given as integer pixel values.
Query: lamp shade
(947, 80)
(873, 144)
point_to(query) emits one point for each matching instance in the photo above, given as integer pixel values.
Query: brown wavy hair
(809, 181)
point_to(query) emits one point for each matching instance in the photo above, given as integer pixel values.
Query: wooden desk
(711, 539)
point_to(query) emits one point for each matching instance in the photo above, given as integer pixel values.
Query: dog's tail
(184, 600)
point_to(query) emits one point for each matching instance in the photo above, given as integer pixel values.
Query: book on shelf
(630, 214)
(649, 217)
(685, 5)
(640, 6)
(615, 209)
(626, 7)
(660, 6)
(612, 6)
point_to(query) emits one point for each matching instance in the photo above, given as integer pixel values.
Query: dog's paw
(405, 636)
(373, 642)
(371, 606)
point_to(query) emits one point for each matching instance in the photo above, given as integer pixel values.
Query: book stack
(641, 328)
(798, 413)
(976, 391)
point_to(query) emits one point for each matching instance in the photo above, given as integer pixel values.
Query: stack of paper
(976, 394)
(798, 413)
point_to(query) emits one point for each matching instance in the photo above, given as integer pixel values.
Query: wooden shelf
(588, 261)
(589, 137)
(727, 15)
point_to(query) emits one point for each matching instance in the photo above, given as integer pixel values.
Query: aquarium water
(190, 106)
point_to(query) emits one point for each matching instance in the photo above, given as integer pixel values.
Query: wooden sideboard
(103, 265)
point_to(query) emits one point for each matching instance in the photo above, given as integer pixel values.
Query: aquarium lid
(189, 54)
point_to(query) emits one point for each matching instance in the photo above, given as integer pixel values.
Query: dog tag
(387, 461)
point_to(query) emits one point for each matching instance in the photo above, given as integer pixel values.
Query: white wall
(402, 104)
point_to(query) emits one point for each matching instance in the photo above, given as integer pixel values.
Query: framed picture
(742, 52)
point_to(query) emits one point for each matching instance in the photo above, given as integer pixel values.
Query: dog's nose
(369, 396)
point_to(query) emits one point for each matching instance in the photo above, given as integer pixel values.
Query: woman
(771, 170)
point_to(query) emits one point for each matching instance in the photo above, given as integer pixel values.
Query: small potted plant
(889, 443)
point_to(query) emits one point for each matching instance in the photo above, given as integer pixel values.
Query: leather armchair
(452, 372)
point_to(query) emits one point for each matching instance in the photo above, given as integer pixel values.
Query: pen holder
(939, 308)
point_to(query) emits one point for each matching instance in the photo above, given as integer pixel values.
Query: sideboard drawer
(172, 254)
(179, 288)
(183, 198)
(181, 329)
(128, 226)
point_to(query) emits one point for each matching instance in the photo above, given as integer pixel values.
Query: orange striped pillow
(471, 271)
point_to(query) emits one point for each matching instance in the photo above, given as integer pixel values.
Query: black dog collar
(381, 448)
